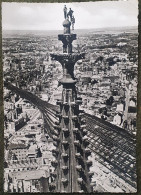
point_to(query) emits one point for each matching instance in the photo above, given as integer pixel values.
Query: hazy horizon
(50, 16)
(106, 30)
(74, 30)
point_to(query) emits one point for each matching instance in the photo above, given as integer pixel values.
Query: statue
(73, 22)
(70, 13)
(65, 11)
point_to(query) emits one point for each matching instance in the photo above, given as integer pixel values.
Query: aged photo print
(70, 75)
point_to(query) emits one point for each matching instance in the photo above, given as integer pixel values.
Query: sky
(88, 15)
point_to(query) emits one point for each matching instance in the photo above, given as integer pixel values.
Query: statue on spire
(69, 15)
(65, 11)
(73, 21)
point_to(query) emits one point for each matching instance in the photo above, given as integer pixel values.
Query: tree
(110, 101)
(103, 110)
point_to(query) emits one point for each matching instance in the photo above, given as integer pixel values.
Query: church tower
(72, 165)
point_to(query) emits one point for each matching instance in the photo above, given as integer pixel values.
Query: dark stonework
(71, 165)
(67, 25)
(68, 61)
(67, 40)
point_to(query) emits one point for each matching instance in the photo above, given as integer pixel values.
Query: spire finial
(69, 18)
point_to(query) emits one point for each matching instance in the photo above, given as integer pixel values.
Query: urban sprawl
(106, 82)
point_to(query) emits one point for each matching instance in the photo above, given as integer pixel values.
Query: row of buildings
(107, 84)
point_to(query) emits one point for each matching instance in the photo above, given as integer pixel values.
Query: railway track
(110, 139)
(111, 164)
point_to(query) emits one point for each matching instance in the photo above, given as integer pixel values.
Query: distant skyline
(88, 15)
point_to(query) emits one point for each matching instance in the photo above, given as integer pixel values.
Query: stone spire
(71, 165)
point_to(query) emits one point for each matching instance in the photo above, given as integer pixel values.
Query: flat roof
(29, 175)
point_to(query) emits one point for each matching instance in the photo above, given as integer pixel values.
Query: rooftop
(16, 146)
(29, 175)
